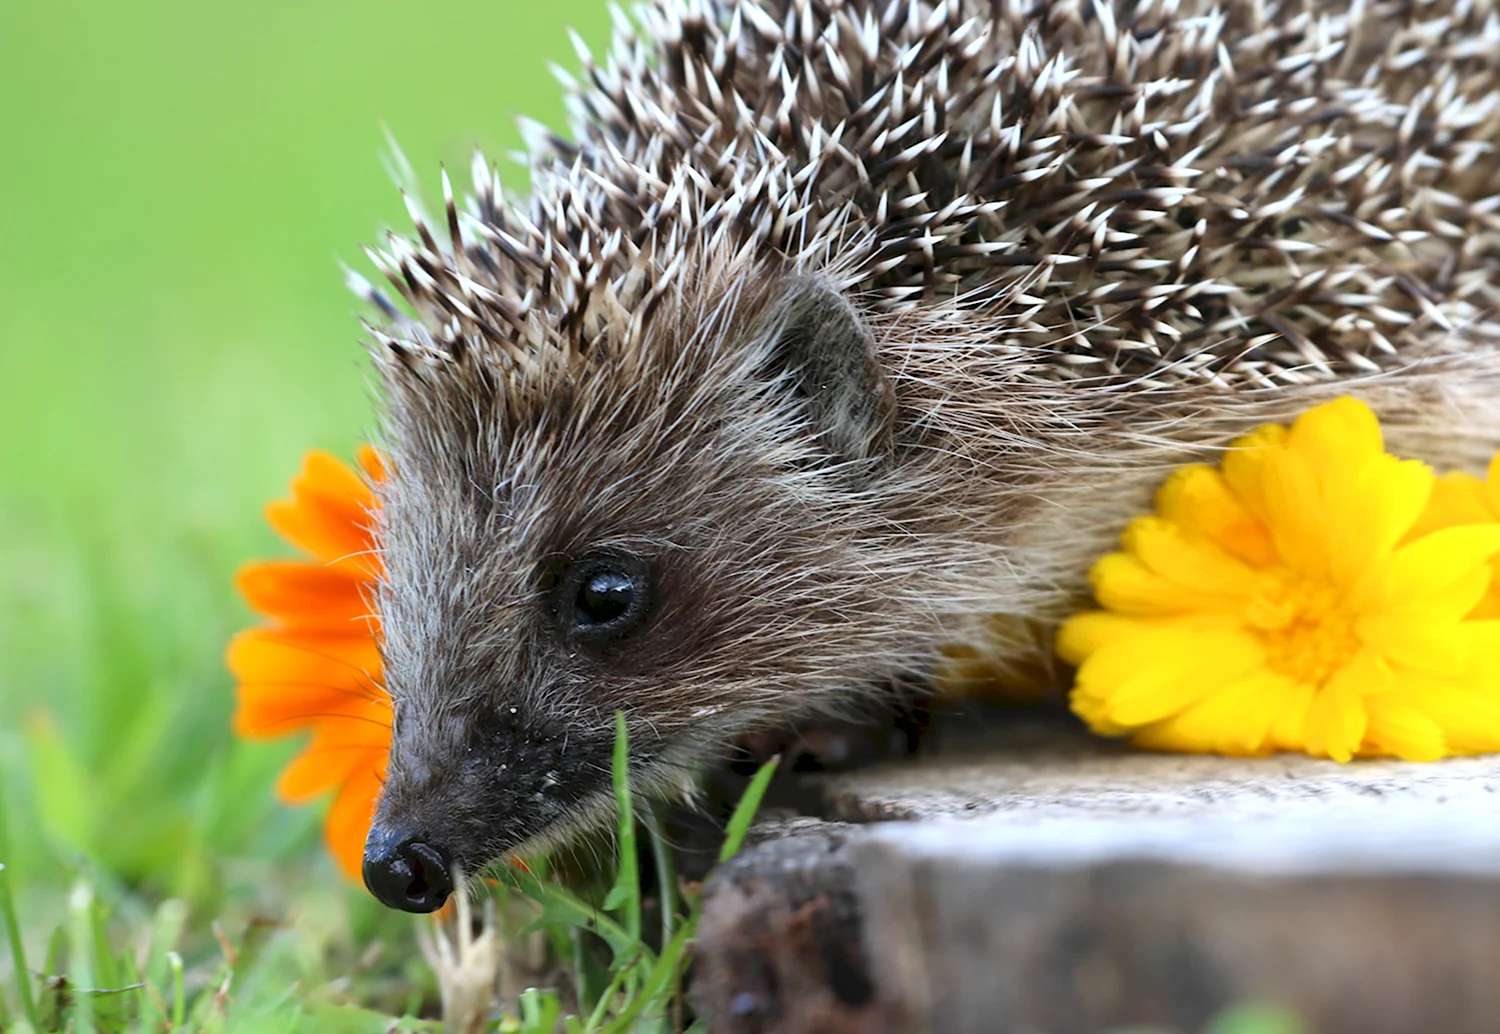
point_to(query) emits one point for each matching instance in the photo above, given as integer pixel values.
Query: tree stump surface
(1043, 881)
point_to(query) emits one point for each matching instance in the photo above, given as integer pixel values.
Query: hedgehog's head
(689, 526)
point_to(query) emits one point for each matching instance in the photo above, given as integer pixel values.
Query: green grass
(275, 977)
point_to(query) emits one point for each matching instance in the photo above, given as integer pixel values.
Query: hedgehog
(834, 331)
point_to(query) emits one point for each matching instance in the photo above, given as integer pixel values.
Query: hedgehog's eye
(607, 598)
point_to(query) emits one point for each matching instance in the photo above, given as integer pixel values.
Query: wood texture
(1050, 883)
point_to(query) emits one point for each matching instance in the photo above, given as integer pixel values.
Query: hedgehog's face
(673, 533)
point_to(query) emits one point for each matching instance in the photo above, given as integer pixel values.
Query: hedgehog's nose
(406, 873)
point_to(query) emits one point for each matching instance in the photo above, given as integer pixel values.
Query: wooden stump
(780, 942)
(1057, 884)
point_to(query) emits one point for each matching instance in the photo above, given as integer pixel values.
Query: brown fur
(857, 322)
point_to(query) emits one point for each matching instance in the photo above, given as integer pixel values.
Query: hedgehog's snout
(405, 871)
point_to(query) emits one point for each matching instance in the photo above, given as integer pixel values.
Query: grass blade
(539, 1011)
(81, 950)
(626, 893)
(562, 906)
(666, 877)
(17, 950)
(744, 811)
(179, 999)
(1256, 1018)
(657, 991)
(601, 1007)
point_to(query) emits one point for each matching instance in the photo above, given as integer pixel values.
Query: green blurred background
(178, 181)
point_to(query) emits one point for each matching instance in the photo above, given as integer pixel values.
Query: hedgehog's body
(844, 322)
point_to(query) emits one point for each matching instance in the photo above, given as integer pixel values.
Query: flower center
(1307, 628)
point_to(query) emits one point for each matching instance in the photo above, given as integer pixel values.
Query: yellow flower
(315, 665)
(1284, 602)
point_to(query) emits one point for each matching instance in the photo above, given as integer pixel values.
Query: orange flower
(315, 664)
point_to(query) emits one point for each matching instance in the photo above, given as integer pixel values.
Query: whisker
(327, 657)
(366, 747)
(351, 717)
(358, 553)
(376, 695)
(300, 721)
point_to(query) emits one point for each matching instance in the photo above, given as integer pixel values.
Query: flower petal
(268, 653)
(1337, 718)
(1368, 513)
(1083, 634)
(1397, 729)
(1149, 676)
(1436, 571)
(314, 771)
(348, 823)
(1337, 435)
(1289, 728)
(1483, 638)
(1456, 499)
(1294, 512)
(372, 463)
(337, 749)
(308, 595)
(1234, 719)
(1198, 498)
(289, 680)
(267, 710)
(1426, 644)
(1244, 466)
(1123, 583)
(1191, 562)
(1469, 720)
(329, 516)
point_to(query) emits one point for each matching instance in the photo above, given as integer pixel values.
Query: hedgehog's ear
(816, 340)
